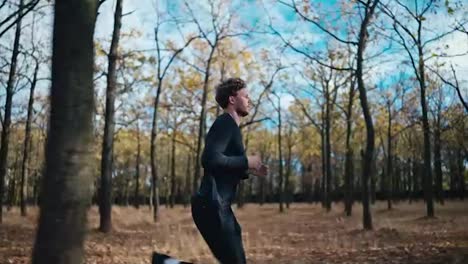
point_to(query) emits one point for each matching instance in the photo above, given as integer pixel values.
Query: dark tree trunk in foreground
(66, 186)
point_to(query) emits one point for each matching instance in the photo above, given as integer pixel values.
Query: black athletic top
(224, 161)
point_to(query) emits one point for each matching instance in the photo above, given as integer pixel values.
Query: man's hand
(254, 162)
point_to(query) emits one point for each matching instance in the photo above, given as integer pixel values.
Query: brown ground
(304, 234)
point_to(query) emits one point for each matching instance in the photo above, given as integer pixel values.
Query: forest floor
(305, 233)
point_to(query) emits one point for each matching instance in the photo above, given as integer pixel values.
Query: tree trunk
(66, 192)
(328, 171)
(389, 179)
(349, 168)
(8, 105)
(136, 198)
(202, 121)
(287, 187)
(427, 171)
(12, 188)
(369, 152)
(27, 143)
(105, 197)
(323, 191)
(173, 154)
(187, 185)
(280, 161)
(438, 163)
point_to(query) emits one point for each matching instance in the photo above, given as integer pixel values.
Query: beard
(242, 112)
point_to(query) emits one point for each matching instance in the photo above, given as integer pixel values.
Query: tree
(14, 18)
(349, 167)
(27, 136)
(453, 84)
(105, 190)
(266, 84)
(368, 9)
(136, 199)
(391, 107)
(162, 70)
(277, 108)
(8, 105)
(415, 45)
(66, 186)
(219, 30)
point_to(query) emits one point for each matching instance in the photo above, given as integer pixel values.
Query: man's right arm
(218, 138)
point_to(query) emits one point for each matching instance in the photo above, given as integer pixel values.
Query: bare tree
(252, 120)
(14, 17)
(105, 190)
(415, 45)
(27, 136)
(454, 84)
(8, 105)
(367, 10)
(136, 199)
(161, 74)
(219, 30)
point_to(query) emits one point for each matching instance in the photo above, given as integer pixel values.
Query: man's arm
(217, 140)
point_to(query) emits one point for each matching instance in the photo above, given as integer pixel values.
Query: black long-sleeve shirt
(224, 161)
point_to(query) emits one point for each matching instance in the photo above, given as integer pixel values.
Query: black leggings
(220, 229)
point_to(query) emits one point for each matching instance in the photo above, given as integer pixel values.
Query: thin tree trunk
(173, 154)
(105, 197)
(187, 179)
(27, 143)
(8, 105)
(438, 163)
(66, 186)
(287, 187)
(389, 173)
(323, 181)
(280, 160)
(369, 152)
(328, 150)
(349, 168)
(137, 170)
(202, 121)
(427, 171)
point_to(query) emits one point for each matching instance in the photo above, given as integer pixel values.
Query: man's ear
(231, 99)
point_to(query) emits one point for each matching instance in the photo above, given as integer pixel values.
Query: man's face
(242, 102)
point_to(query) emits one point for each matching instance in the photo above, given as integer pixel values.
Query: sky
(141, 15)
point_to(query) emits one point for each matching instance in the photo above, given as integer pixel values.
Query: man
(225, 164)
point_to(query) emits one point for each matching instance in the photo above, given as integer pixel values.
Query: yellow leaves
(246, 55)
(133, 33)
(193, 81)
(200, 45)
(99, 49)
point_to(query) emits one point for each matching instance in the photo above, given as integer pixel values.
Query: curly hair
(227, 88)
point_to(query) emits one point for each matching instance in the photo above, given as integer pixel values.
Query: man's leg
(221, 232)
(235, 247)
(208, 223)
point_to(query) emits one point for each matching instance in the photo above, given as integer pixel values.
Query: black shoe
(159, 258)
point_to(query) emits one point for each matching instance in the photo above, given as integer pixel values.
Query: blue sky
(142, 17)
